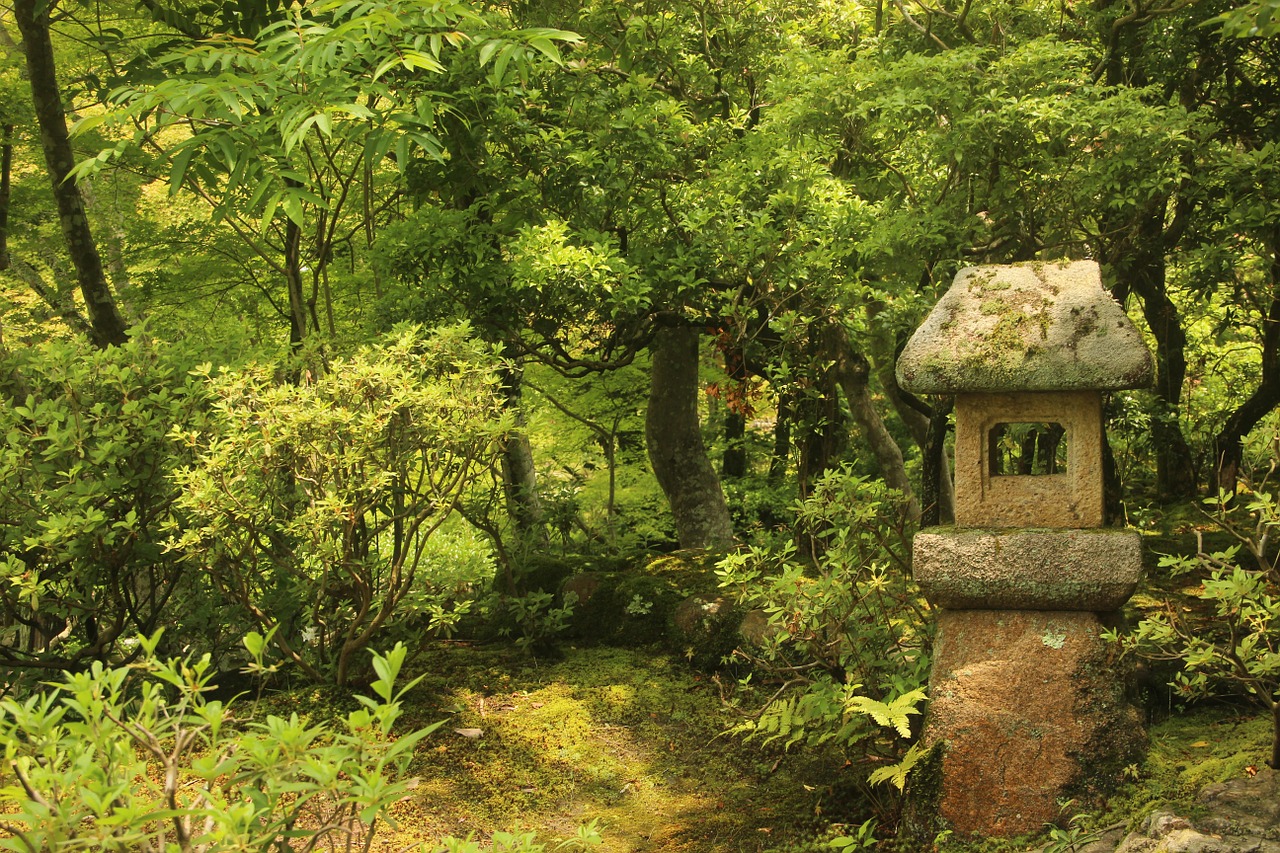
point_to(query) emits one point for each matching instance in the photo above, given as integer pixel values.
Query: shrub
(1231, 642)
(849, 642)
(137, 758)
(86, 499)
(312, 504)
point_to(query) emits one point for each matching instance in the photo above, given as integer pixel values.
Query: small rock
(1137, 843)
(583, 585)
(756, 629)
(1190, 841)
(1160, 824)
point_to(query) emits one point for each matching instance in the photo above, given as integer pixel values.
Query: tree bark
(734, 461)
(293, 285)
(1143, 273)
(519, 474)
(818, 414)
(853, 372)
(936, 465)
(915, 416)
(108, 327)
(673, 437)
(1229, 442)
(6, 173)
(781, 455)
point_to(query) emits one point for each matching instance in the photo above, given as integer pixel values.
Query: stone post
(1026, 708)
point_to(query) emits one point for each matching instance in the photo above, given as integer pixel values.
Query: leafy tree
(286, 128)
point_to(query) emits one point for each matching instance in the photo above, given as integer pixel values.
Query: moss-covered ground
(631, 738)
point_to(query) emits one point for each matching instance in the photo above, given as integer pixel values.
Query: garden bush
(87, 501)
(311, 505)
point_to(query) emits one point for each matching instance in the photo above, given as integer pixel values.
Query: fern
(895, 714)
(897, 773)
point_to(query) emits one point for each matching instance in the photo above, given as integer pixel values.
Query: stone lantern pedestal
(1026, 707)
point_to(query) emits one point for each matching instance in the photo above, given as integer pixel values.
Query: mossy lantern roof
(1025, 327)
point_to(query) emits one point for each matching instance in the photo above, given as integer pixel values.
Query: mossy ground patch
(632, 738)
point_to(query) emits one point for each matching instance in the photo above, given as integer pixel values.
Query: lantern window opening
(1027, 449)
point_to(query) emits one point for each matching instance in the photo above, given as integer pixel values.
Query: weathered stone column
(1026, 707)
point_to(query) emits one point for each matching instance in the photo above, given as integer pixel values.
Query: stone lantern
(1026, 710)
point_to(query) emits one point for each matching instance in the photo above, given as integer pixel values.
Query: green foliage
(533, 619)
(1258, 19)
(312, 505)
(88, 500)
(1229, 640)
(138, 758)
(338, 72)
(862, 839)
(848, 631)
(1071, 838)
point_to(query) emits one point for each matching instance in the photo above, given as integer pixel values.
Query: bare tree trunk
(781, 454)
(1143, 273)
(853, 371)
(673, 436)
(108, 327)
(6, 173)
(936, 466)
(293, 285)
(915, 416)
(824, 428)
(1228, 444)
(519, 474)
(734, 462)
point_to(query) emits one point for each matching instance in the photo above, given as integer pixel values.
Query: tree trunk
(937, 468)
(519, 474)
(915, 416)
(1143, 273)
(673, 436)
(108, 327)
(293, 285)
(734, 462)
(853, 371)
(818, 412)
(781, 455)
(1228, 444)
(6, 173)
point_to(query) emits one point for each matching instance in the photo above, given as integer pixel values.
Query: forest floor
(630, 738)
(636, 741)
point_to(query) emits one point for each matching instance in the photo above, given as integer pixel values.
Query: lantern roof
(1025, 327)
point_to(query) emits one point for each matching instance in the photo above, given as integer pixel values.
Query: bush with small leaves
(138, 758)
(312, 505)
(849, 641)
(87, 503)
(1232, 642)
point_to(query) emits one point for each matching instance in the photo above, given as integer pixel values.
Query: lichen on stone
(1033, 327)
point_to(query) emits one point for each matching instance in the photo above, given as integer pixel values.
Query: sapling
(1236, 647)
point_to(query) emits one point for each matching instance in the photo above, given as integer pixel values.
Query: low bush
(847, 652)
(87, 502)
(312, 505)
